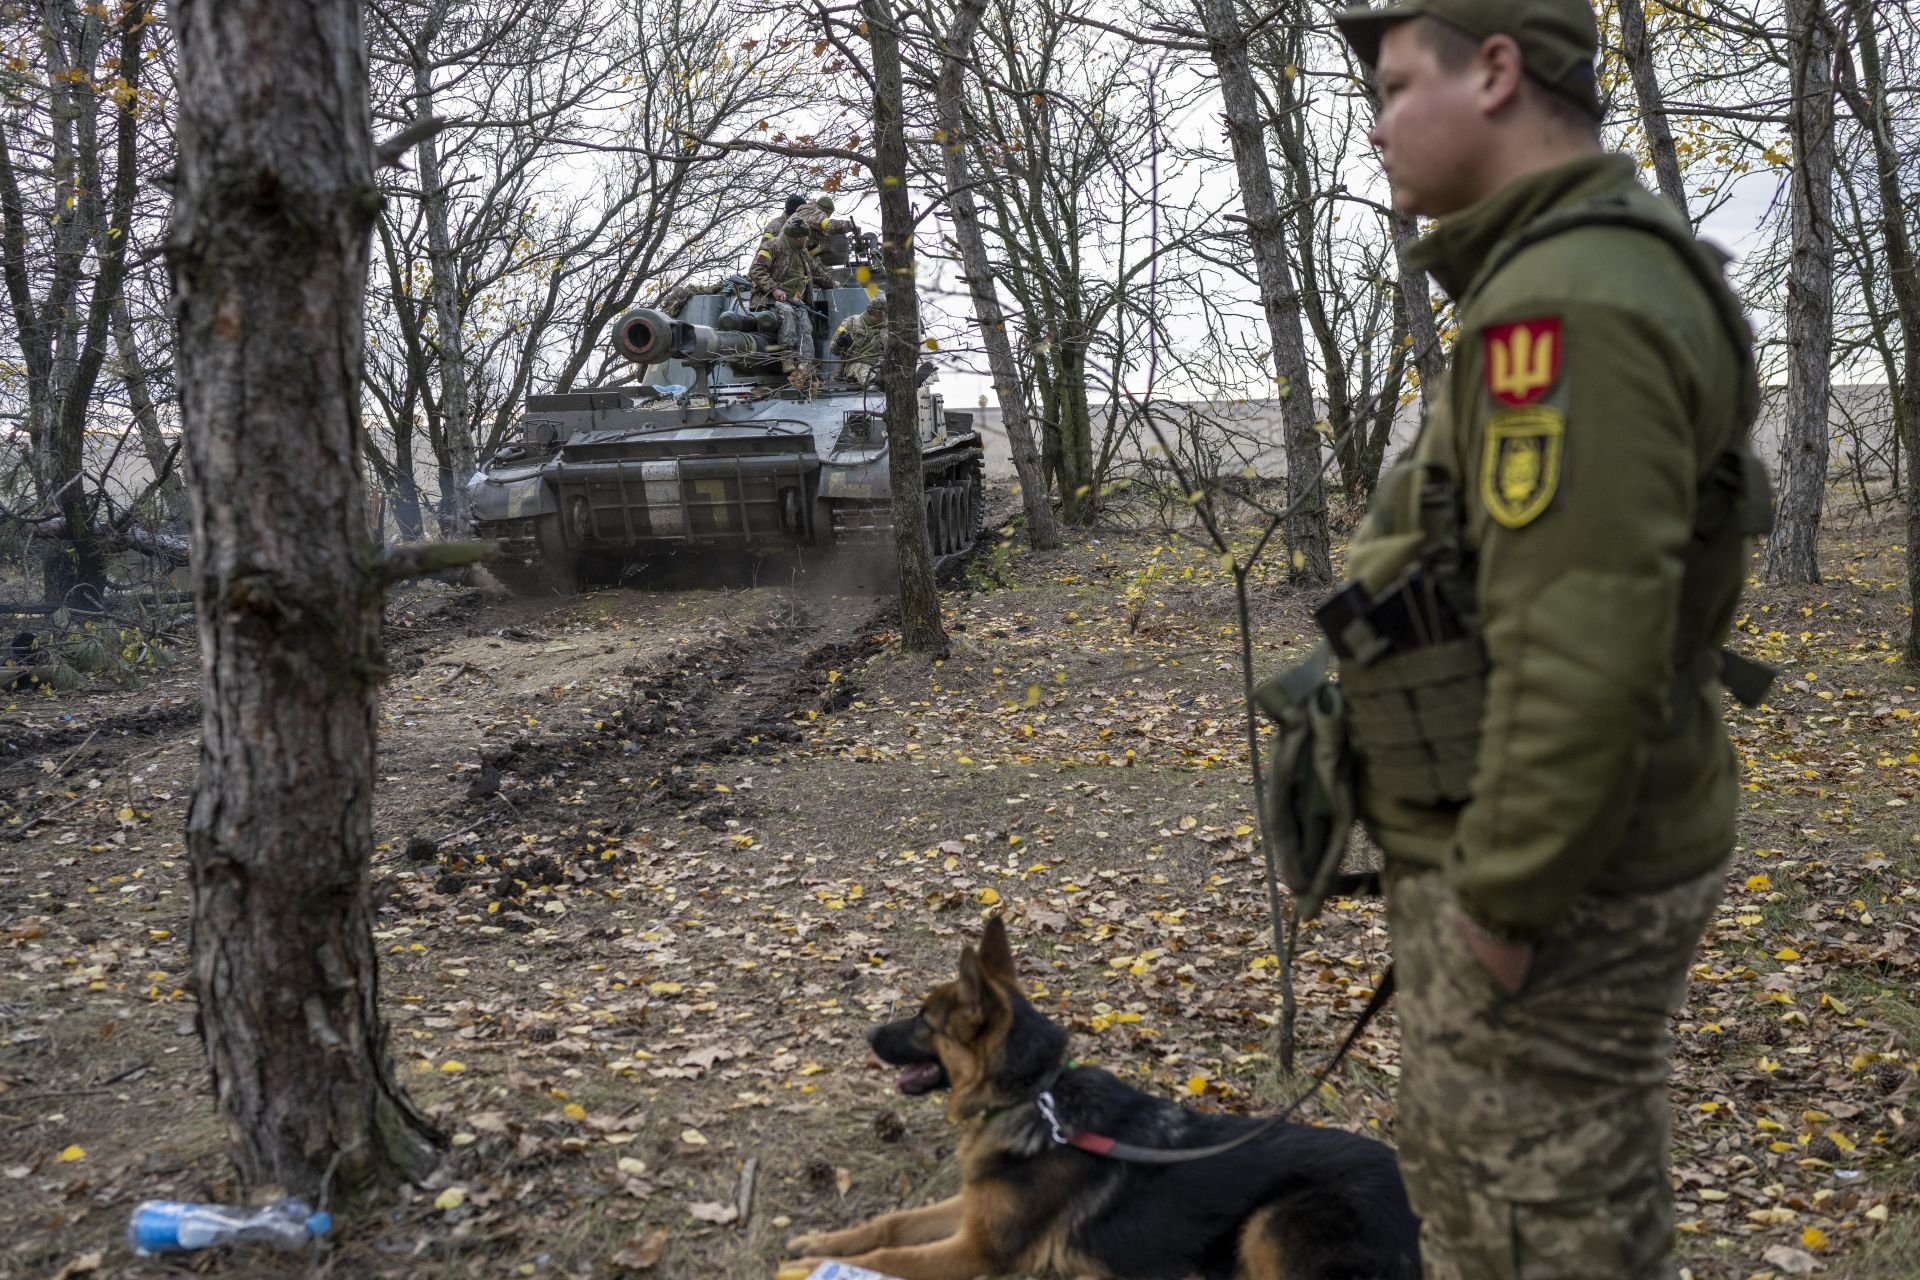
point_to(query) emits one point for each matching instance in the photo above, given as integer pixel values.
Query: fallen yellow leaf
(73, 1153)
(451, 1198)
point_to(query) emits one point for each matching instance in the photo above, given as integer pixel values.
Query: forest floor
(734, 827)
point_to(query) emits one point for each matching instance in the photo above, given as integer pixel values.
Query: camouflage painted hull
(622, 480)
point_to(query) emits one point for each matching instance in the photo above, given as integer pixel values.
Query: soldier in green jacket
(860, 339)
(781, 274)
(820, 224)
(1537, 712)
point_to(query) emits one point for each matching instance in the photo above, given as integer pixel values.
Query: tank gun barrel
(646, 336)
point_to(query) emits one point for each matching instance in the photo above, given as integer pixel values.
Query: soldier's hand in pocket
(1506, 963)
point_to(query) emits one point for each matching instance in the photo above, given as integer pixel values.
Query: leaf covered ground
(649, 863)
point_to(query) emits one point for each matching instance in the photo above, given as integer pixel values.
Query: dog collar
(1047, 1082)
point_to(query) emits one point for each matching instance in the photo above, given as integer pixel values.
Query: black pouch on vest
(1310, 799)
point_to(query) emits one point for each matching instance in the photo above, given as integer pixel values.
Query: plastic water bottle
(171, 1226)
(844, 1271)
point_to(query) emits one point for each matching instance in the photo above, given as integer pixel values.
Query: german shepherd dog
(1293, 1203)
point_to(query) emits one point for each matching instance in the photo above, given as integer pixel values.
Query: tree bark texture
(921, 630)
(1042, 530)
(1869, 102)
(1652, 105)
(1792, 553)
(274, 201)
(1309, 560)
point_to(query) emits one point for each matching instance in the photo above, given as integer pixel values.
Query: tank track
(955, 504)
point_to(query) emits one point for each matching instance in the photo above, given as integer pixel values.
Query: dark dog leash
(1101, 1145)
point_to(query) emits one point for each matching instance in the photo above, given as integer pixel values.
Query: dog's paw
(809, 1243)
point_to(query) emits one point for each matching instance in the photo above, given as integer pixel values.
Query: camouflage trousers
(795, 336)
(1534, 1127)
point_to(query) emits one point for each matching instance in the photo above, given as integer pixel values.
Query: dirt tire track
(729, 695)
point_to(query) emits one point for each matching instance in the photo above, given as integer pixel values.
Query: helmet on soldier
(824, 203)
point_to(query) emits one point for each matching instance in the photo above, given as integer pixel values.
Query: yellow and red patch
(1523, 360)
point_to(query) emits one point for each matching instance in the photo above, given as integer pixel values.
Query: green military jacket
(858, 340)
(780, 263)
(1593, 384)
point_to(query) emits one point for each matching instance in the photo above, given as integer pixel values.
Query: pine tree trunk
(1792, 553)
(1653, 108)
(274, 202)
(1042, 531)
(921, 630)
(1309, 560)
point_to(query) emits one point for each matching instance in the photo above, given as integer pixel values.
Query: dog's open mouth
(922, 1077)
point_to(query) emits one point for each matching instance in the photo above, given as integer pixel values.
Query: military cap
(794, 201)
(1558, 39)
(824, 203)
(877, 303)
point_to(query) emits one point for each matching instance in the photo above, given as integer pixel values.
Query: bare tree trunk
(1653, 107)
(146, 415)
(1309, 560)
(1429, 357)
(921, 630)
(274, 203)
(456, 397)
(1042, 531)
(1868, 100)
(1792, 553)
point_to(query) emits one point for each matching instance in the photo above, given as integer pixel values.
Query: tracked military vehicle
(711, 452)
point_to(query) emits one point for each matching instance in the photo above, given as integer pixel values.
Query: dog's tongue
(919, 1078)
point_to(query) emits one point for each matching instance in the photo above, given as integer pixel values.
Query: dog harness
(1100, 1144)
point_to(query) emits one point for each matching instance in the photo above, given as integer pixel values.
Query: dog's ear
(973, 979)
(996, 954)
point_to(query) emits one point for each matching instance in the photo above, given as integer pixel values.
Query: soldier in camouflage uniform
(777, 223)
(780, 275)
(860, 339)
(675, 300)
(818, 220)
(1578, 501)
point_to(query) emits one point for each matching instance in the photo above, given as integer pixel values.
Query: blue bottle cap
(156, 1226)
(318, 1224)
